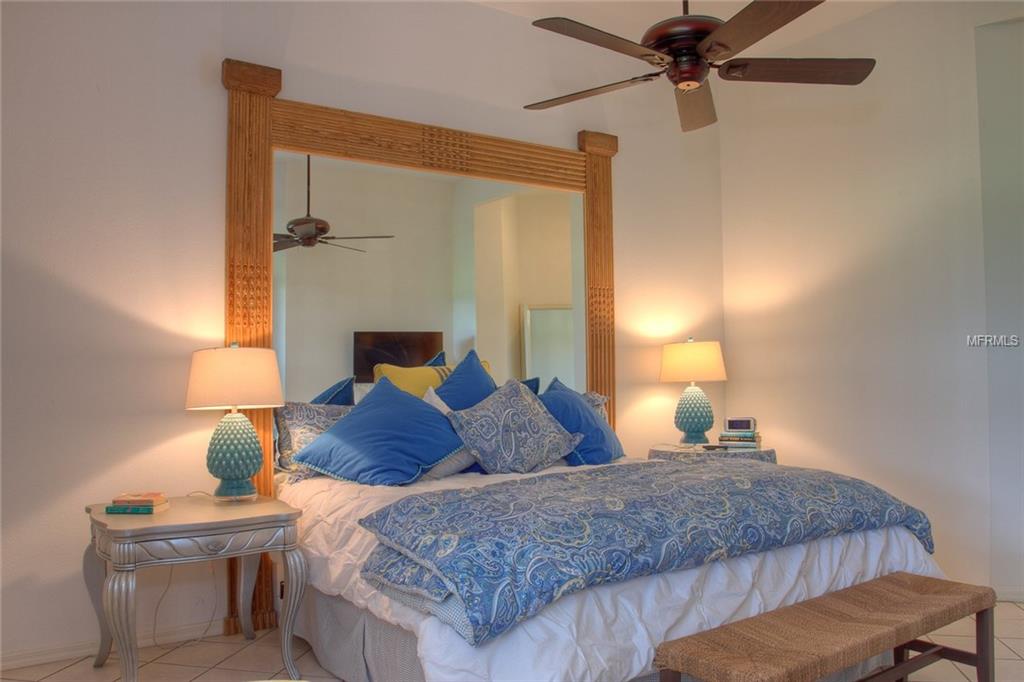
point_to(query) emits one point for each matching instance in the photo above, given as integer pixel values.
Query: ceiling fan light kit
(688, 47)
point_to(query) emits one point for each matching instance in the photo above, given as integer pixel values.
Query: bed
(603, 633)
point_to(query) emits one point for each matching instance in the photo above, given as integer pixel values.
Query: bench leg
(986, 646)
(669, 676)
(899, 655)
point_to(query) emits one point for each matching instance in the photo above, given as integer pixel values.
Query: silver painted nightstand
(192, 529)
(675, 451)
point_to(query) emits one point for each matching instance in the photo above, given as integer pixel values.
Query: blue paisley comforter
(484, 559)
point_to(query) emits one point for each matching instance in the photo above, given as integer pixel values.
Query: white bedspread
(607, 633)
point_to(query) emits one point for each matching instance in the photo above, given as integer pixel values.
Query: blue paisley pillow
(511, 431)
(299, 424)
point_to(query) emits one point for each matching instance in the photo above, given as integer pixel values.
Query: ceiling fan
(686, 48)
(309, 231)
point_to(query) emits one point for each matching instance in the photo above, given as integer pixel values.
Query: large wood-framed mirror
(262, 128)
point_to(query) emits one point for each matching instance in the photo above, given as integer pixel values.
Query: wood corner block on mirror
(261, 80)
(601, 144)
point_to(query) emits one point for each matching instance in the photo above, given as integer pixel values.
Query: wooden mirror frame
(259, 123)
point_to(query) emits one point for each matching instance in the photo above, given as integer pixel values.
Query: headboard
(258, 123)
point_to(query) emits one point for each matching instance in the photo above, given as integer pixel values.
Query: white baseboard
(1009, 594)
(179, 633)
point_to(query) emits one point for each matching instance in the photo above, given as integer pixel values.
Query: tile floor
(233, 659)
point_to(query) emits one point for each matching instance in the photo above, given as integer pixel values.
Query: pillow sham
(600, 445)
(299, 424)
(436, 361)
(596, 401)
(341, 393)
(415, 380)
(389, 438)
(468, 384)
(511, 431)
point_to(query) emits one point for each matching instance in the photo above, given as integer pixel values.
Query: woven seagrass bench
(815, 638)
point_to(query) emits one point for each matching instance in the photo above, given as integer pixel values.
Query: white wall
(400, 284)
(854, 268)
(550, 242)
(113, 171)
(524, 254)
(496, 273)
(1000, 68)
(469, 194)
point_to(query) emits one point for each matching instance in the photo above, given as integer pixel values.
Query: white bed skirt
(356, 646)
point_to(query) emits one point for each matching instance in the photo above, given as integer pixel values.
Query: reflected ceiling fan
(686, 48)
(310, 231)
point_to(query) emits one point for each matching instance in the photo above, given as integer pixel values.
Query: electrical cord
(167, 588)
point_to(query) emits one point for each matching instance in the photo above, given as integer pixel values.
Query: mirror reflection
(377, 264)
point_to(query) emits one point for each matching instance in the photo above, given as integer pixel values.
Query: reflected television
(405, 349)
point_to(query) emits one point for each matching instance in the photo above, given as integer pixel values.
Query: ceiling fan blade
(366, 236)
(282, 244)
(595, 36)
(696, 107)
(583, 94)
(751, 24)
(825, 71)
(340, 246)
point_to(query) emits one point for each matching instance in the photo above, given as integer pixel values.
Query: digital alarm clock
(740, 424)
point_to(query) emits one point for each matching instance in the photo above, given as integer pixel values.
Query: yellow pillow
(416, 380)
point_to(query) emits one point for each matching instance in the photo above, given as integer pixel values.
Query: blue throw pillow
(341, 393)
(436, 361)
(595, 400)
(468, 384)
(600, 445)
(389, 438)
(533, 384)
(511, 431)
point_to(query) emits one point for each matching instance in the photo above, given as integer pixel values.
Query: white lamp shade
(692, 361)
(228, 378)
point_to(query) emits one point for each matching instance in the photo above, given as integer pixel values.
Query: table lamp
(234, 378)
(693, 361)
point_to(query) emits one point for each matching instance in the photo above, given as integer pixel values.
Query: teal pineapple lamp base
(693, 415)
(234, 456)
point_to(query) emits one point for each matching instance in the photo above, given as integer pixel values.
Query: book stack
(138, 503)
(740, 440)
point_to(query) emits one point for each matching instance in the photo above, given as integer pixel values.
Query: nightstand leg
(247, 567)
(119, 606)
(94, 570)
(294, 584)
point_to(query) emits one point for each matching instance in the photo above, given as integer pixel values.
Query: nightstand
(193, 529)
(678, 452)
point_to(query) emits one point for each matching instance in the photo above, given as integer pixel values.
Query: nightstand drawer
(679, 453)
(213, 546)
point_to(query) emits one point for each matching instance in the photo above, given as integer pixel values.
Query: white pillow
(455, 462)
(360, 390)
(434, 400)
